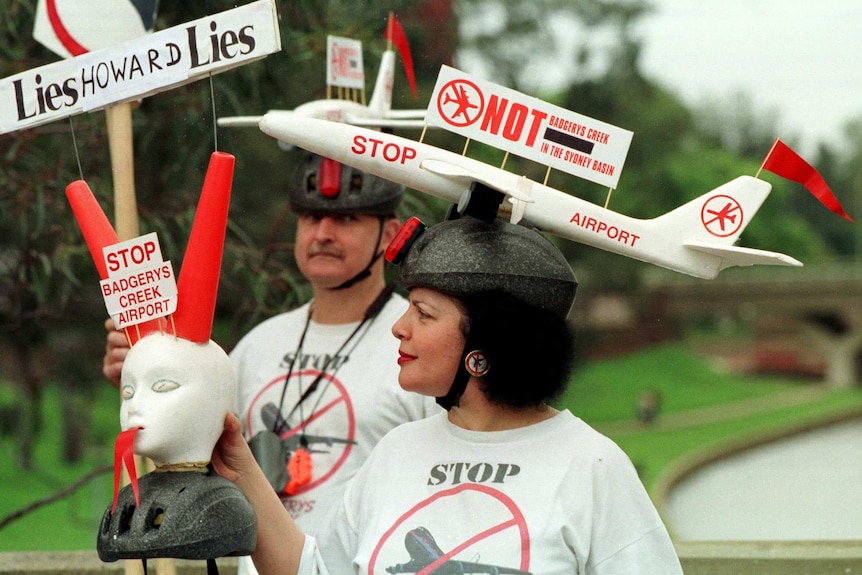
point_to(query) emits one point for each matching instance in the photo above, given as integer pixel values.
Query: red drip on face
(124, 454)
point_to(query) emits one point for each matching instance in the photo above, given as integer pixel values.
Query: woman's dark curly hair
(530, 350)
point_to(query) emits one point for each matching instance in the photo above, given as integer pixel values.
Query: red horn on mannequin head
(197, 285)
(98, 234)
(97, 230)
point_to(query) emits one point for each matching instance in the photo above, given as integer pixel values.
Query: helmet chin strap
(459, 384)
(367, 270)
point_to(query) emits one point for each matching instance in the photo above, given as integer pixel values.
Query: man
(323, 378)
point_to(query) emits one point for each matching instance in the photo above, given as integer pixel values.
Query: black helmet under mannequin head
(182, 514)
(325, 186)
(472, 260)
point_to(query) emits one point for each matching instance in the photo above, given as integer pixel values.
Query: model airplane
(426, 556)
(695, 239)
(378, 113)
(291, 438)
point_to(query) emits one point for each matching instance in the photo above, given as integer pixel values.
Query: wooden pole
(119, 120)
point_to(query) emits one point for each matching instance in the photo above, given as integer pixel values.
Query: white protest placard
(139, 67)
(528, 127)
(344, 67)
(140, 286)
(71, 27)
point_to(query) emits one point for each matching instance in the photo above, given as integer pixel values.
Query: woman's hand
(232, 458)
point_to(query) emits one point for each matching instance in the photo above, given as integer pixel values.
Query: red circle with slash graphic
(63, 35)
(460, 102)
(336, 404)
(505, 519)
(722, 216)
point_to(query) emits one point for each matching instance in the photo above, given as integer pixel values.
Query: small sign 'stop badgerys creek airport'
(140, 286)
(139, 67)
(528, 127)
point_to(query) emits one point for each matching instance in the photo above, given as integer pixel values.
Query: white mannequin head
(178, 392)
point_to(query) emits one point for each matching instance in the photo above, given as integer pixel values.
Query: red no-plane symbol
(329, 451)
(722, 216)
(410, 547)
(460, 103)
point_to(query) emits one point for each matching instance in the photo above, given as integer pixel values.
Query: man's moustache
(318, 251)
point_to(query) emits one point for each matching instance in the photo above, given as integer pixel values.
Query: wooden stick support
(119, 120)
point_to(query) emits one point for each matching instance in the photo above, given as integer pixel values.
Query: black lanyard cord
(370, 314)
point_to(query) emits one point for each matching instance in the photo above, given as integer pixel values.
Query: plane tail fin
(714, 222)
(381, 97)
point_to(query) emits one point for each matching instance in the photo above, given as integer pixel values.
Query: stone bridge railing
(697, 558)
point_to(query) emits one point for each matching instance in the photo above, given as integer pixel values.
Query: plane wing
(239, 121)
(442, 168)
(377, 114)
(390, 121)
(385, 122)
(740, 256)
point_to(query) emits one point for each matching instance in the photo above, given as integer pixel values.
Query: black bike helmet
(465, 256)
(184, 515)
(326, 186)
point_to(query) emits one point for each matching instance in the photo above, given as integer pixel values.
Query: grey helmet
(465, 256)
(326, 186)
(182, 514)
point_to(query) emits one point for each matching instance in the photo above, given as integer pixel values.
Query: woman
(500, 482)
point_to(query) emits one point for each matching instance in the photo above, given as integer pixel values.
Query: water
(805, 487)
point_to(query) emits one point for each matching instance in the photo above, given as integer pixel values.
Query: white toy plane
(378, 113)
(696, 239)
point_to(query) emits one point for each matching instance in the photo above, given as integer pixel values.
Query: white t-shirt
(357, 401)
(553, 498)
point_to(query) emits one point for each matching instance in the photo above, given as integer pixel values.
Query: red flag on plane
(395, 34)
(784, 162)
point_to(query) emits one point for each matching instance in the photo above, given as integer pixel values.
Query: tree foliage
(47, 283)
(50, 306)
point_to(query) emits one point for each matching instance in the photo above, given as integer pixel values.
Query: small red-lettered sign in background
(140, 286)
(471, 523)
(344, 66)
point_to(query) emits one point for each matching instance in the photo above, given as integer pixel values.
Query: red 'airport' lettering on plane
(602, 228)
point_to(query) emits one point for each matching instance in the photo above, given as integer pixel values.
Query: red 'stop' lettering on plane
(389, 151)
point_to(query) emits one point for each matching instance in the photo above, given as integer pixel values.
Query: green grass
(71, 523)
(608, 390)
(602, 393)
(655, 451)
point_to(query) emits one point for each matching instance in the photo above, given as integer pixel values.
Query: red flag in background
(783, 161)
(395, 34)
